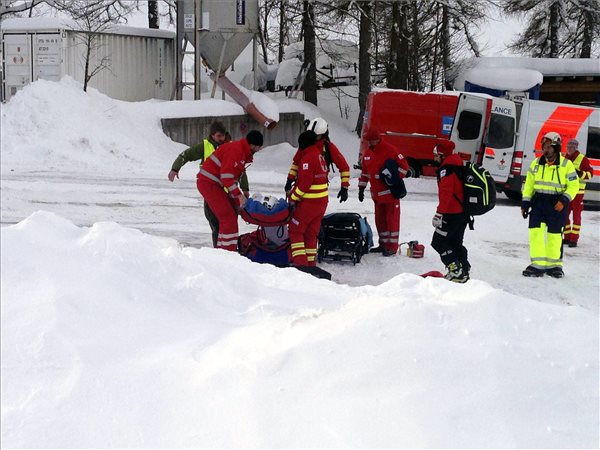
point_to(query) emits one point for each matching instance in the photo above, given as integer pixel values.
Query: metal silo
(219, 29)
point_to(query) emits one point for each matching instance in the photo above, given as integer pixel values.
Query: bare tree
(557, 27)
(153, 21)
(310, 52)
(364, 60)
(11, 7)
(91, 19)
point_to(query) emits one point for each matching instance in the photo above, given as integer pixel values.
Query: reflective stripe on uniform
(210, 176)
(215, 159)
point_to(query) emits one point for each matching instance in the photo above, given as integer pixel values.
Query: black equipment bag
(343, 236)
(479, 190)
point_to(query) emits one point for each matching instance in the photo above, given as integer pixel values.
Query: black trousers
(213, 222)
(448, 240)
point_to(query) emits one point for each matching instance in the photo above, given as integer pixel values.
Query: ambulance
(503, 135)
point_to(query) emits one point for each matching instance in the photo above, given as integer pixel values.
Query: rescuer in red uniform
(387, 207)
(449, 220)
(585, 173)
(217, 182)
(332, 155)
(308, 199)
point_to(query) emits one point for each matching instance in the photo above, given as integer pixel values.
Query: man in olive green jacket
(201, 151)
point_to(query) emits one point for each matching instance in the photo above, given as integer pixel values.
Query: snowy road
(498, 247)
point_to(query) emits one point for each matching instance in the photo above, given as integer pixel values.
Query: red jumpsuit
(387, 207)
(336, 158)
(585, 173)
(310, 194)
(223, 170)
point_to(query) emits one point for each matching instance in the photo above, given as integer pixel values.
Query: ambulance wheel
(513, 195)
(414, 169)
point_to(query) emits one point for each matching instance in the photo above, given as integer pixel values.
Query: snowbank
(114, 338)
(57, 126)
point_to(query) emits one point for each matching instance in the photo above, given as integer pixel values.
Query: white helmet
(318, 125)
(269, 201)
(553, 137)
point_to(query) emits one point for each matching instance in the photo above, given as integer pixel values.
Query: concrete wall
(191, 130)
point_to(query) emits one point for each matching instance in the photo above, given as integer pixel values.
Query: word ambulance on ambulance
(501, 135)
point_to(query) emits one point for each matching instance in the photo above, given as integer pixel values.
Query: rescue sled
(269, 243)
(344, 236)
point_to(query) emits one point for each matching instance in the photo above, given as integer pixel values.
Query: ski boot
(455, 273)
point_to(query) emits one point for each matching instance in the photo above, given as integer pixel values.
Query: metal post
(197, 55)
(180, 49)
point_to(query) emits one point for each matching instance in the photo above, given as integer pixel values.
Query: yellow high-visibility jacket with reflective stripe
(551, 179)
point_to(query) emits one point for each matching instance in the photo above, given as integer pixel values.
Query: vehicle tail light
(517, 163)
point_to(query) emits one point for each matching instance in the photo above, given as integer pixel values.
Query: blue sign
(447, 122)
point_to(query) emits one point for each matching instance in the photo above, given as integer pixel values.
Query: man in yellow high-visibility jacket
(550, 185)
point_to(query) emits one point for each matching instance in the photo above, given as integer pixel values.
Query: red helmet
(444, 147)
(372, 134)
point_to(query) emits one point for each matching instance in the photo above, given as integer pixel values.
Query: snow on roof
(56, 24)
(519, 74)
(504, 79)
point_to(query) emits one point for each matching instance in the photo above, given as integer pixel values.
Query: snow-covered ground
(122, 328)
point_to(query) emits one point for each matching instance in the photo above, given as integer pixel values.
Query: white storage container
(141, 60)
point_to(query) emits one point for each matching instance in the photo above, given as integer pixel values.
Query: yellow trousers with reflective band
(545, 248)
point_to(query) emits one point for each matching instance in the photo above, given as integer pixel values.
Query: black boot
(378, 249)
(556, 272)
(531, 271)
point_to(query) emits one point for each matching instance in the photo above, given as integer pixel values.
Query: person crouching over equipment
(218, 183)
(550, 185)
(308, 201)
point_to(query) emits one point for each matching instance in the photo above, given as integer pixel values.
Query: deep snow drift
(113, 337)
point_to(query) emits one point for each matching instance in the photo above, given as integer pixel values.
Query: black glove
(288, 185)
(343, 194)
(361, 194)
(525, 208)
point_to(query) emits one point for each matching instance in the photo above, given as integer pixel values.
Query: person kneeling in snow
(221, 170)
(308, 200)
(450, 221)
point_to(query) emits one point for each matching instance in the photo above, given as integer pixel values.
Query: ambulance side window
(469, 124)
(593, 143)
